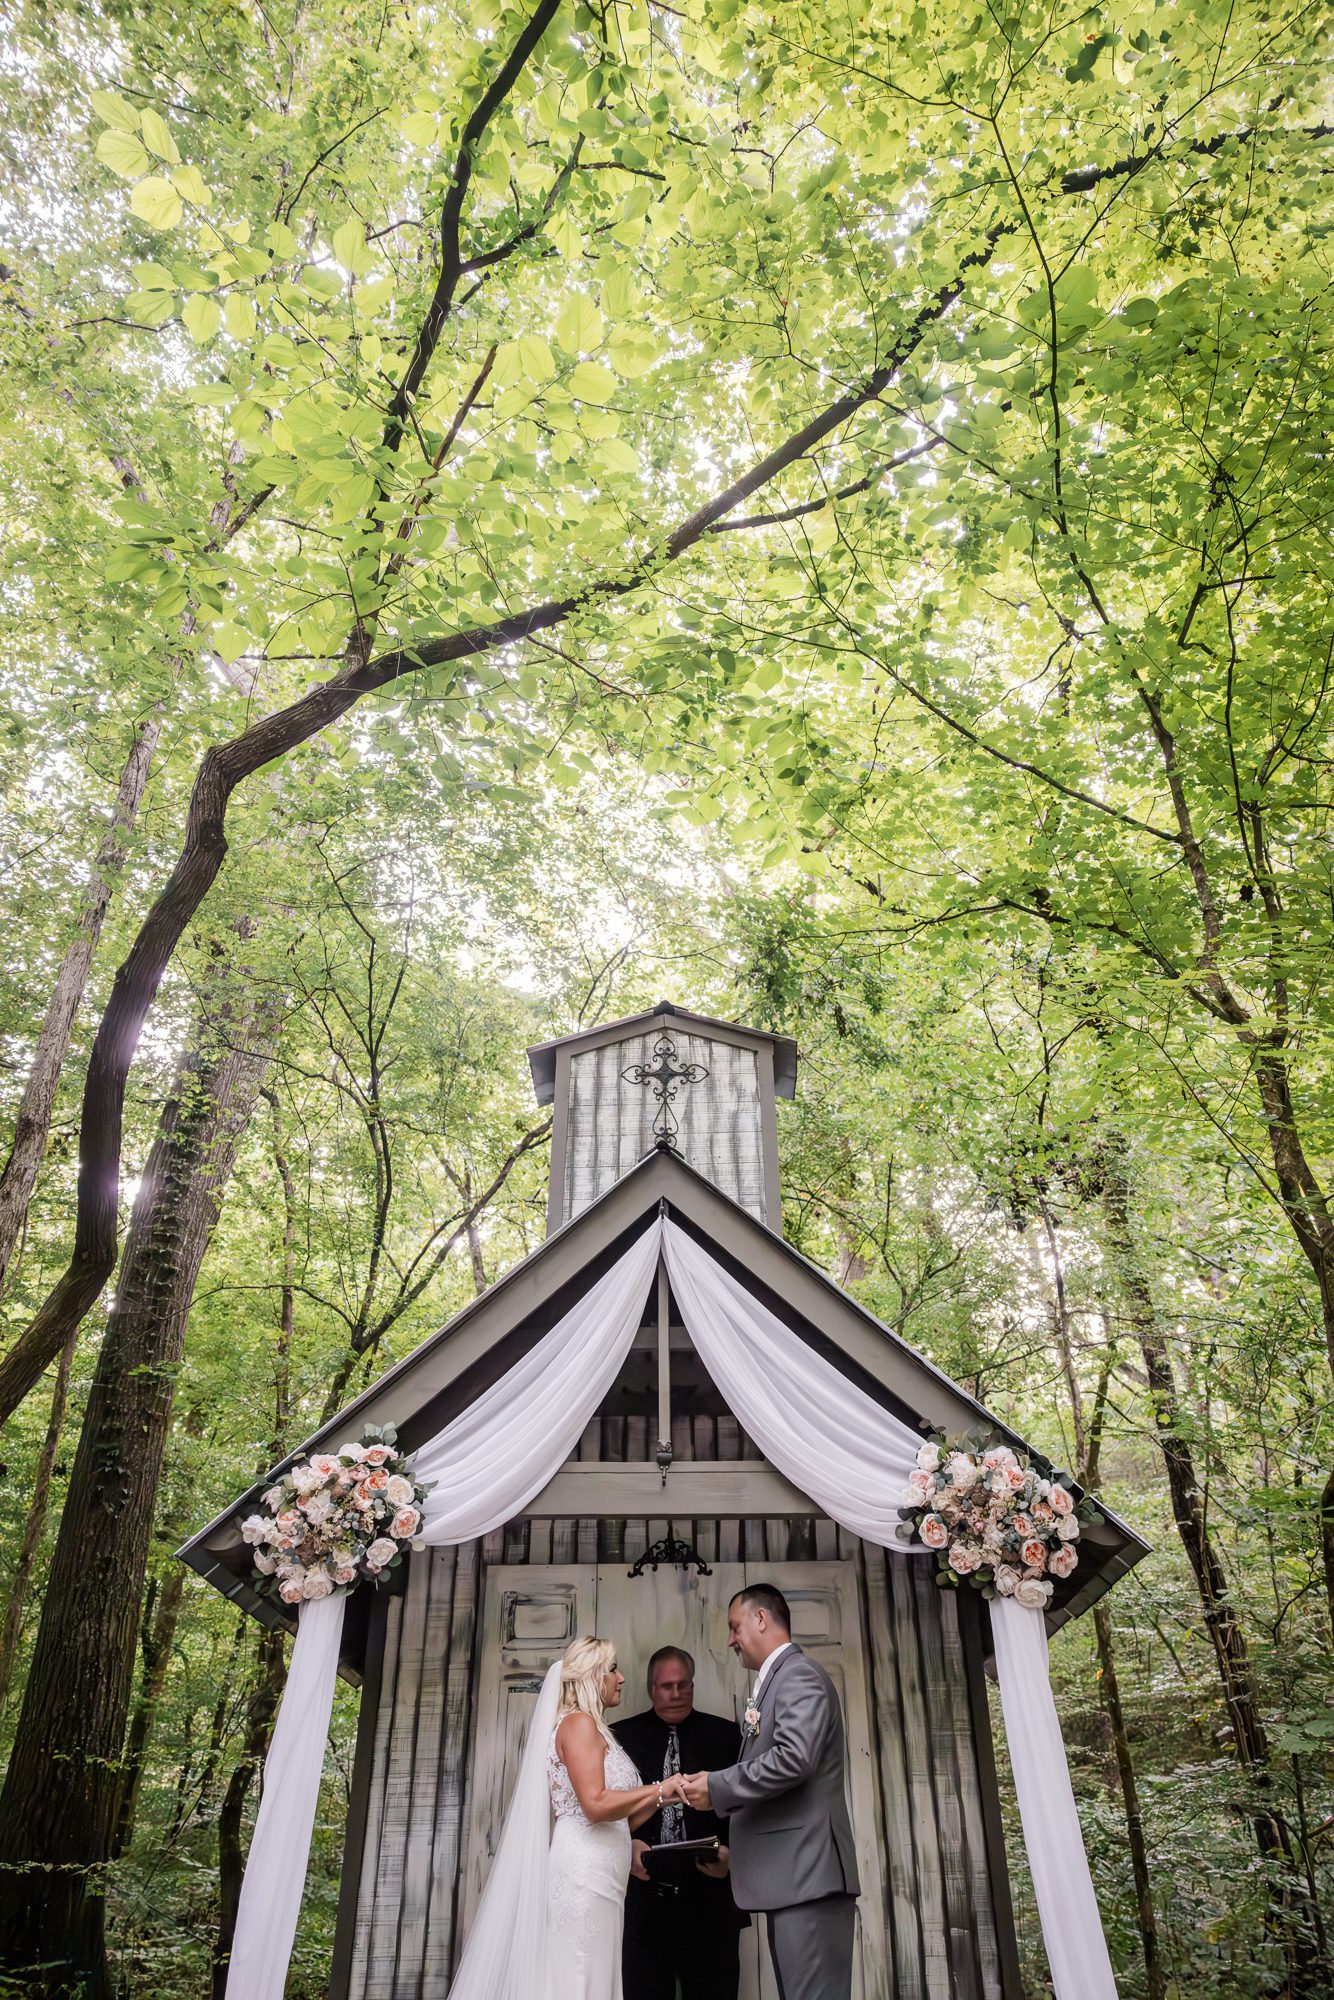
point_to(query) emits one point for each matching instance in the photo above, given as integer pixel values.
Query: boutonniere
(752, 1718)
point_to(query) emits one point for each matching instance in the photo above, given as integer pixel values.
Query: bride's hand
(673, 1790)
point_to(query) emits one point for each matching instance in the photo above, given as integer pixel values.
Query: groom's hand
(638, 1849)
(695, 1790)
(719, 1868)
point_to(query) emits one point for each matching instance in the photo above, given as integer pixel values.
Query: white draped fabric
(851, 1456)
(1071, 1927)
(489, 1462)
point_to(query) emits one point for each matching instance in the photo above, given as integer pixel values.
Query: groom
(789, 1832)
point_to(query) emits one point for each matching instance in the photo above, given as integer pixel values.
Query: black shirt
(708, 1743)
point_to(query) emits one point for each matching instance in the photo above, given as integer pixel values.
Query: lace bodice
(620, 1776)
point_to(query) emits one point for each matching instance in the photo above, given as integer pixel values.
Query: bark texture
(63, 1788)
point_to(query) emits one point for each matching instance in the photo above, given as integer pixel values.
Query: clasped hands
(687, 1789)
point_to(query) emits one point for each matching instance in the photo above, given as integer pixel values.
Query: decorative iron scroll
(665, 1075)
(671, 1552)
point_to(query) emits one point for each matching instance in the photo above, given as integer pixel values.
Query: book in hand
(675, 1860)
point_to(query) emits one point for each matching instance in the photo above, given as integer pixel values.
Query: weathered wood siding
(944, 1878)
(609, 1122)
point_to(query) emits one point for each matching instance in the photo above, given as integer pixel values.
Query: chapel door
(529, 1616)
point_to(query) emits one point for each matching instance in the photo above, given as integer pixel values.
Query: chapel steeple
(705, 1088)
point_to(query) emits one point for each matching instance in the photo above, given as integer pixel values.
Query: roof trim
(542, 1057)
(662, 1176)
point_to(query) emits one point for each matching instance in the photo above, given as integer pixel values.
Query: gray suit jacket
(789, 1831)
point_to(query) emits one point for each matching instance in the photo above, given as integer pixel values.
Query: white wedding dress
(587, 1872)
(548, 1926)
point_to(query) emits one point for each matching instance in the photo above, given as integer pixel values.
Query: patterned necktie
(673, 1816)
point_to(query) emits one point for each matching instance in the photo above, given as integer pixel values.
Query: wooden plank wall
(947, 1939)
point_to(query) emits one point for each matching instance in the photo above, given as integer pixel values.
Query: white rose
(928, 1457)
(919, 1489)
(265, 1563)
(1067, 1528)
(351, 1451)
(291, 1590)
(962, 1471)
(1006, 1580)
(1032, 1593)
(317, 1584)
(318, 1509)
(255, 1529)
(399, 1491)
(380, 1552)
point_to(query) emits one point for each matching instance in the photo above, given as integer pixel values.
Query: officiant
(680, 1919)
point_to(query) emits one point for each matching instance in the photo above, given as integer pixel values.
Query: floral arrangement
(993, 1518)
(336, 1519)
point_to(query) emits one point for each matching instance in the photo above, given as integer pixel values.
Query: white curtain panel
(490, 1462)
(831, 1440)
(851, 1456)
(854, 1459)
(1071, 1926)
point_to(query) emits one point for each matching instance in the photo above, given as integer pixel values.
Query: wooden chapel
(644, 1536)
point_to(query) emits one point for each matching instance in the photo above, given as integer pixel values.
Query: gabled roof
(542, 1058)
(422, 1392)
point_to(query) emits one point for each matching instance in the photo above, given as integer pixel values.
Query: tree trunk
(36, 1521)
(1289, 1915)
(156, 1657)
(265, 1694)
(1109, 1687)
(33, 1123)
(58, 1808)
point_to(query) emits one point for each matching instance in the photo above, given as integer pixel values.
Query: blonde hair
(584, 1666)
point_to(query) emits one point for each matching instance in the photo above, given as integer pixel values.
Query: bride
(548, 1926)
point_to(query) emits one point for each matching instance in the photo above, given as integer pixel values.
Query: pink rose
(1041, 1511)
(324, 1463)
(265, 1563)
(405, 1523)
(317, 1584)
(292, 1591)
(1022, 1524)
(346, 1572)
(1062, 1560)
(375, 1482)
(1033, 1554)
(1060, 1500)
(378, 1454)
(934, 1532)
(921, 1486)
(963, 1558)
(1015, 1478)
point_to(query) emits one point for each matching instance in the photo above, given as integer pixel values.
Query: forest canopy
(818, 511)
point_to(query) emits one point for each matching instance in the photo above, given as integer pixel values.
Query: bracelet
(659, 1795)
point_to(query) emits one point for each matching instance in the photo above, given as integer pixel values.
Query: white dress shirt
(766, 1664)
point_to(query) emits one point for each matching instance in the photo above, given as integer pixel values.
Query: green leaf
(352, 250)
(202, 316)
(535, 358)
(157, 203)
(113, 110)
(189, 182)
(157, 137)
(240, 316)
(579, 328)
(121, 151)
(592, 383)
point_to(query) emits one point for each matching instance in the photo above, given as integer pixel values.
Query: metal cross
(665, 1076)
